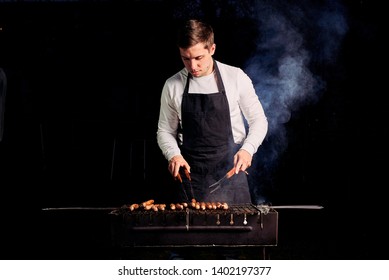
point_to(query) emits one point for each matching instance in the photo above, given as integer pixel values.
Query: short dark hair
(193, 32)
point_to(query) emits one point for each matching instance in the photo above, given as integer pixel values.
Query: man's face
(198, 60)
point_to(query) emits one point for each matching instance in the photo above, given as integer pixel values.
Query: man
(202, 122)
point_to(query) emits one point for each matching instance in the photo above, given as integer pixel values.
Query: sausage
(148, 202)
(179, 206)
(149, 206)
(161, 207)
(133, 206)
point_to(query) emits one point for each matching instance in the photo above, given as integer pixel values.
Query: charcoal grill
(242, 225)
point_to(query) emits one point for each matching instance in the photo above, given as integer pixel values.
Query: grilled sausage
(148, 202)
(148, 206)
(133, 206)
(179, 206)
(161, 206)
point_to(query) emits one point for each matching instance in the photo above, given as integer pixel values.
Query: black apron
(208, 146)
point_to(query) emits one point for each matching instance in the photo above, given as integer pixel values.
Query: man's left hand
(242, 160)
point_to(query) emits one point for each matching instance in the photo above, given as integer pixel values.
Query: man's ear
(212, 49)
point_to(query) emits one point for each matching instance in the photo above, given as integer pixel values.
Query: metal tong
(219, 183)
(179, 178)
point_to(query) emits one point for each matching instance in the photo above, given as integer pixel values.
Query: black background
(84, 82)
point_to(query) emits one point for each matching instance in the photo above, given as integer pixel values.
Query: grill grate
(236, 209)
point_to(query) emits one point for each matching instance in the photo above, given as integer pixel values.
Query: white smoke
(293, 37)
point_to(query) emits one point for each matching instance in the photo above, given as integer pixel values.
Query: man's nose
(192, 64)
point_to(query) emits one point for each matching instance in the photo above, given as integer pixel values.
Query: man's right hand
(175, 163)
